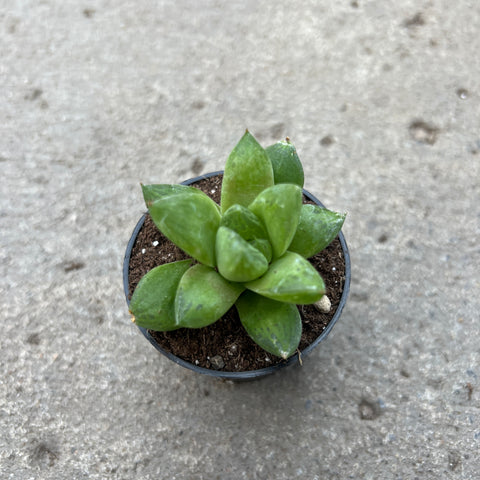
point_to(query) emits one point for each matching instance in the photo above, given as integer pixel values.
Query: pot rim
(251, 374)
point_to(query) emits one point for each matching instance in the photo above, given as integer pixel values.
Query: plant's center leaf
(238, 260)
(279, 207)
(243, 221)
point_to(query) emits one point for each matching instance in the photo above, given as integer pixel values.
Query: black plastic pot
(253, 374)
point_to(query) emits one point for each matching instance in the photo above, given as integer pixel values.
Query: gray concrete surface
(382, 100)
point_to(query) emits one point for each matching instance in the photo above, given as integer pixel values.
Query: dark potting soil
(225, 342)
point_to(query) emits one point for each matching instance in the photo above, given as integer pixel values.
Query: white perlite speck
(155, 243)
(323, 305)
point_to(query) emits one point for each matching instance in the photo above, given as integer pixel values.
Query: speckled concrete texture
(382, 101)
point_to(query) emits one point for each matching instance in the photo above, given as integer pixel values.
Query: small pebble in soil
(217, 362)
(323, 305)
(143, 250)
(155, 243)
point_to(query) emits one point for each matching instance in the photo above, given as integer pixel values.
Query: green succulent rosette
(250, 251)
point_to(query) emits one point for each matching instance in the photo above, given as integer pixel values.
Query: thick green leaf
(263, 246)
(243, 221)
(292, 279)
(189, 219)
(316, 229)
(203, 296)
(152, 303)
(286, 165)
(238, 260)
(248, 171)
(275, 326)
(157, 191)
(279, 209)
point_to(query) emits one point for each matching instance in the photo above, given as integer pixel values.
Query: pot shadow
(284, 419)
(287, 398)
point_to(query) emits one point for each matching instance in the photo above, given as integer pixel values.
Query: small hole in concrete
(327, 141)
(382, 238)
(71, 266)
(462, 93)
(423, 132)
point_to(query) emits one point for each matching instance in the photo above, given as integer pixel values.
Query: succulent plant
(250, 251)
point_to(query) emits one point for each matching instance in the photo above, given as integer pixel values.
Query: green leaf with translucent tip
(152, 303)
(190, 220)
(291, 279)
(248, 171)
(274, 326)
(157, 191)
(243, 221)
(316, 230)
(238, 260)
(286, 165)
(203, 296)
(279, 209)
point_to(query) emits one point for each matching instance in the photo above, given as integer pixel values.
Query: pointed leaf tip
(316, 230)
(203, 296)
(291, 279)
(248, 171)
(275, 326)
(188, 218)
(152, 303)
(286, 165)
